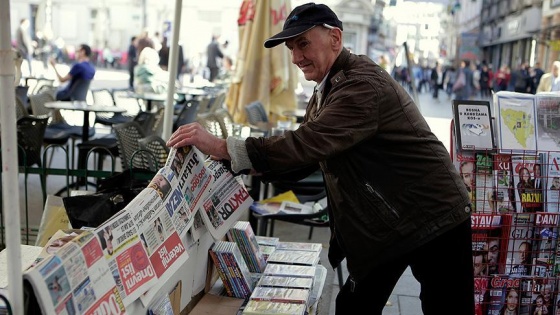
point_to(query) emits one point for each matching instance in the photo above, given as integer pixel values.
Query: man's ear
(336, 38)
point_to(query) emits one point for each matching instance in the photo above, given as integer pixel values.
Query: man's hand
(52, 62)
(195, 134)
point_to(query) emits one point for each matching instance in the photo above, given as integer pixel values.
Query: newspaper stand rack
(515, 196)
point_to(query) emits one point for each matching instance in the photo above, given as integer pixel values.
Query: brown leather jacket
(391, 183)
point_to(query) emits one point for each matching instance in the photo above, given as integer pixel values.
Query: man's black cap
(302, 19)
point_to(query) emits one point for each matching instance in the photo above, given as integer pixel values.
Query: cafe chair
(159, 151)
(104, 97)
(30, 132)
(128, 135)
(122, 99)
(187, 114)
(225, 120)
(210, 123)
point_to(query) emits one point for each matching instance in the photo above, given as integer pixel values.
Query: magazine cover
(487, 247)
(520, 245)
(526, 296)
(466, 165)
(547, 110)
(544, 244)
(484, 179)
(503, 175)
(528, 182)
(540, 299)
(552, 195)
(516, 122)
(473, 125)
(504, 295)
(481, 295)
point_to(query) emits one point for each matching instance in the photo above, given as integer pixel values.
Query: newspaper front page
(132, 254)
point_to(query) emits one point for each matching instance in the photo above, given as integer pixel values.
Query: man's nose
(297, 56)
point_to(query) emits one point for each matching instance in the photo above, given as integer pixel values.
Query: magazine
(481, 295)
(473, 125)
(503, 287)
(520, 245)
(553, 182)
(484, 183)
(503, 176)
(287, 295)
(466, 164)
(528, 182)
(487, 247)
(544, 244)
(516, 122)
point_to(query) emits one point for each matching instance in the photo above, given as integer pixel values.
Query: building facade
(509, 31)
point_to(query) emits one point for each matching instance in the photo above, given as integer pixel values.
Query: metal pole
(173, 62)
(411, 75)
(10, 176)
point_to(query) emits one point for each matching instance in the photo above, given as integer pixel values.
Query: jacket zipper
(375, 192)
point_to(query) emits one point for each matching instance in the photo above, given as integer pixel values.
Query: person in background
(82, 70)
(464, 92)
(502, 79)
(164, 54)
(132, 59)
(143, 41)
(213, 52)
(148, 76)
(550, 82)
(436, 78)
(25, 44)
(450, 76)
(536, 76)
(484, 82)
(395, 198)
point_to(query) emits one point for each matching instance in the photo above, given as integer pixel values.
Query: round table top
(191, 91)
(83, 106)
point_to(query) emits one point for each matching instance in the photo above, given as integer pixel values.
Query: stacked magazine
(510, 165)
(242, 234)
(232, 269)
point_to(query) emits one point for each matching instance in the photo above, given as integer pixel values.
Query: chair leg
(271, 228)
(340, 277)
(310, 233)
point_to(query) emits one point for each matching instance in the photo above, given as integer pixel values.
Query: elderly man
(395, 198)
(550, 82)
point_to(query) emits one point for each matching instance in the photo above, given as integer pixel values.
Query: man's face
(493, 252)
(524, 253)
(313, 52)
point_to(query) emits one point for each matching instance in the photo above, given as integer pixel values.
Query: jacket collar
(338, 65)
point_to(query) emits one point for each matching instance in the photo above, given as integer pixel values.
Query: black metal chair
(225, 120)
(30, 132)
(128, 135)
(187, 114)
(105, 97)
(159, 151)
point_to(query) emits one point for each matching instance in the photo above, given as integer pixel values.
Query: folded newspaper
(141, 247)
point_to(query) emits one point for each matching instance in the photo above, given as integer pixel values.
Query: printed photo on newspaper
(227, 201)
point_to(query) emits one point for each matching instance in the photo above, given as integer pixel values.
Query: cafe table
(86, 109)
(149, 98)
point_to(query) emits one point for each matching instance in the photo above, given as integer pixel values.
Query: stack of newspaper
(134, 253)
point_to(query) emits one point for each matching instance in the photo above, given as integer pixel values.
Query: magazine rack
(516, 200)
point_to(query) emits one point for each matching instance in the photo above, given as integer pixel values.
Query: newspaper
(131, 255)
(226, 203)
(76, 280)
